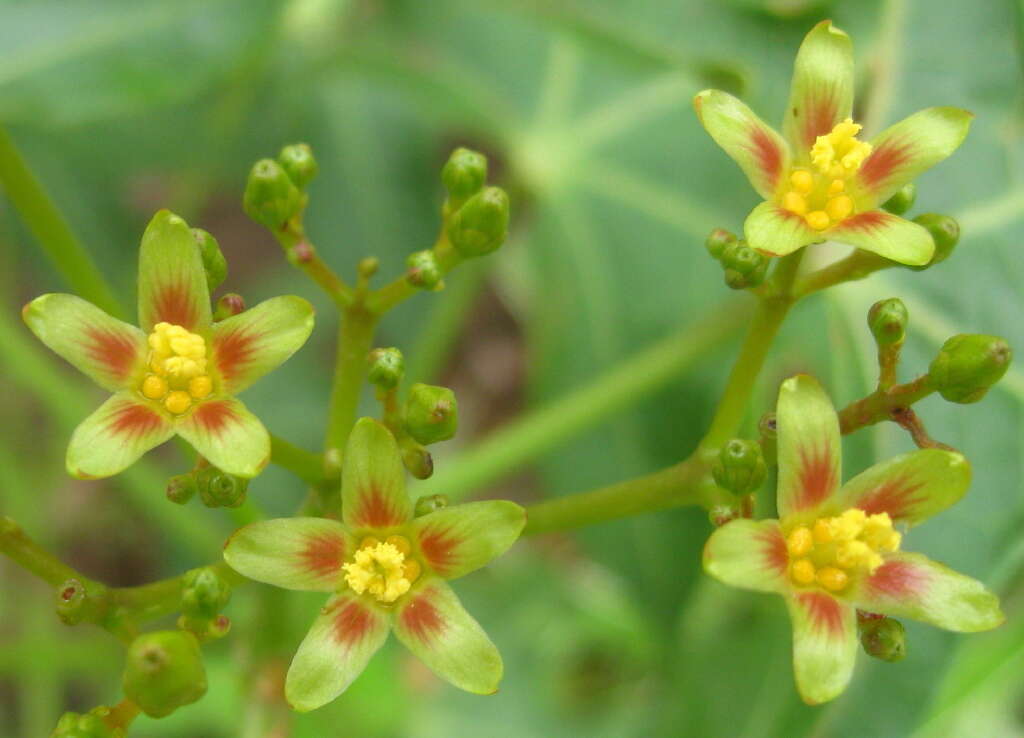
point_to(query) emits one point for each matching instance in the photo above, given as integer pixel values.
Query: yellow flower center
(819, 193)
(830, 551)
(177, 368)
(382, 568)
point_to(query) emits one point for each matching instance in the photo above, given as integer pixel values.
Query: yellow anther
(369, 542)
(154, 387)
(401, 543)
(794, 202)
(799, 542)
(411, 570)
(831, 551)
(802, 571)
(822, 531)
(199, 387)
(178, 402)
(379, 570)
(839, 207)
(802, 180)
(832, 578)
(839, 153)
(818, 220)
(836, 187)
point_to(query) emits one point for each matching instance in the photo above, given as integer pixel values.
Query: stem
(355, 339)
(307, 466)
(380, 301)
(857, 265)
(28, 554)
(302, 254)
(883, 404)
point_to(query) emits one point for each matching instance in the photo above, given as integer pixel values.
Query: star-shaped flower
(179, 372)
(835, 549)
(819, 181)
(385, 570)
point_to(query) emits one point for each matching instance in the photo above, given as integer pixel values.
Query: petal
(105, 349)
(337, 648)
(228, 436)
(824, 645)
(808, 446)
(435, 627)
(903, 151)
(821, 93)
(172, 283)
(777, 232)
(248, 345)
(887, 235)
(913, 586)
(753, 144)
(115, 435)
(750, 554)
(294, 553)
(457, 540)
(911, 487)
(373, 479)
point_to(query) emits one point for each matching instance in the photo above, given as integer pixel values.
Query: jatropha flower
(385, 569)
(178, 374)
(820, 181)
(835, 549)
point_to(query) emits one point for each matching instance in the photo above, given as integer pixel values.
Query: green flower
(385, 570)
(179, 372)
(819, 181)
(835, 550)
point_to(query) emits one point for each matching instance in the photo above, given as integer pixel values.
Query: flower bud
(271, 198)
(887, 320)
(431, 413)
(719, 515)
(89, 725)
(204, 594)
(968, 365)
(481, 225)
(164, 671)
(743, 266)
(75, 603)
(298, 163)
(945, 232)
(416, 459)
(214, 263)
(386, 367)
(424, 271)
(739, 467)
(883, 638)
(228, 305)
(903, 200)
(220, 489)
(368, 266)
(464, 174)
(717, 240)
(182, 488)
(429, 503)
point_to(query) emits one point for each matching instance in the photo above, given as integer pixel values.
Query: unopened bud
(464, 174)
(298, 163)
(204, 593)
(429, 503)
(271, 198)
(902, 200)
(424, 271)
(739, 467)
(945, 232)
(386, 367)
(717, 240)
(219, 489)
(743, 266)
(968, 365)
(228, 305)
(416, 459)
(182, 488)
(481, 225)
(214, 263)
(719, 515)
(368, 266)
(90, 725)
(883, 638)
(332, 463)
(887, 320)
(431, 413)
(164, 671)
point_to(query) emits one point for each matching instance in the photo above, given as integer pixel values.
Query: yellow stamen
(200, 387)
(822, 531)
(832, 578)
(400, 543)
(794, 202)
(177, 402)
(832, 551)
(411, 570)
(839, 207)
(379, 570)
(802, 571)
(799, 542)
(802, 181)
(154, 387)
(818, 220)
(369, 542)
(836, 187)
(177, 360)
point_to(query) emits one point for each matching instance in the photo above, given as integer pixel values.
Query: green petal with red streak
(821, 93)
(909, 585)
(910, 488)
(373, 479)
(753, 144)
(433, 624)
(750, 554)
(457, 540)
(109, 352)
(808, 447)
(346, 634)
(776, 232)
(115, 436)
(903, 151)
(172, 283)
(294, 553)
(229, 436)
(887, 235)
(824, 644)
(248, 345)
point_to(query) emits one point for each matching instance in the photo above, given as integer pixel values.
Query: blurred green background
(584, 109)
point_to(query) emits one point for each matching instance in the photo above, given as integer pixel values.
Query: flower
(384, 569)
(820, 181)
(835, 549)
(178, 374)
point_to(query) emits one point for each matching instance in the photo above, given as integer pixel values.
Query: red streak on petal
(868, 222)
(817, 476)
(323, 554)
(819, 119)
(879, 166)
(215, 416)
(897, 579)
(352, 623)
(422, 619)
(375, 510)
(173, 303)
(234, 349)
(116, 352)
(134, 421)
(439, 548)
(894, 496)
(824, 611)
(769, 158)
(774, 552)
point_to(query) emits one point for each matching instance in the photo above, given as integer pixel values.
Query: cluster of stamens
(382, 568)
(832, 550)
(177, 368)
(819, 193)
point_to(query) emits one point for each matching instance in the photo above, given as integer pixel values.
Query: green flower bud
(182, 488)
(717, 240)
(368, 266)
(429, 503)
(90, 725)
(204, 593)
(887, 320)
(743, 266)
(424, 271)
(164, 671)
(228, 305)
(464, 174)
(903, 200)
(740, 467)
(214, 263)
(298, 163)
(719, 515)
(431, 413)
(77, 603)
(386, 367)
(271, 198)
(945, 232)
(220, 489)
(883, 638)
(481, 225)
(968, 365)
(332, 463)
(416, 459)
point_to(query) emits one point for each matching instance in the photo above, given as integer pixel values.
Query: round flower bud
(480, 226)
(228, 305)
(89, 725)
(903, 200)
(298, 163)
(220, 489)
(214, 263)
(271, 198)
(181, 488)
(204, 594)
(429, 503)
(164, 671)
(464, 174)
(968, 365)
(417, 460)
(424, 271)
(717, 240)
(887, 320)
(945, 233)
(431, 413)
(883, 638)
(386, 367)
(739, 467)
(743, 266)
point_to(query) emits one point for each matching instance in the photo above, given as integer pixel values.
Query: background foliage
(584, 107)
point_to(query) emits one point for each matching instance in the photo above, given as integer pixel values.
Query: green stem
(307, 466)
(387, 297)
(355, 339)
(302, 254)
(28, 554)
(857, 265)
(883, 403)
(52, 231)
